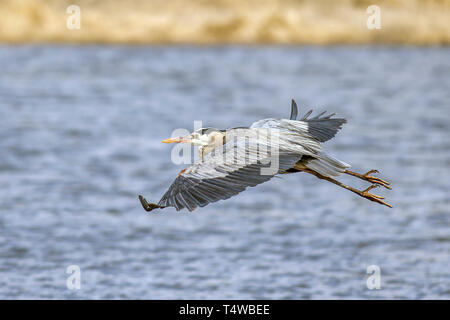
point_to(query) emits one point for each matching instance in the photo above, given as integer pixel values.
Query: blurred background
(424, 22)
(84, 111)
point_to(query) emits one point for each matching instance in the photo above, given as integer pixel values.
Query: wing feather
(214, 178)
(322, 128)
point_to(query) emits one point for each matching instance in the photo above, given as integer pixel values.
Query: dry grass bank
(421, 22)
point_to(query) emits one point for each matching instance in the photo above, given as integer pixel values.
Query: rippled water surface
(80, 139)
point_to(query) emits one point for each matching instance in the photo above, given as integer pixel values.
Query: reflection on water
(80, 139)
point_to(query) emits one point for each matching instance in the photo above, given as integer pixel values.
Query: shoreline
(226, 22)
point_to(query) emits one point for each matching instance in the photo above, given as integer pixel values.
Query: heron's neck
(202, 141)
(210, 142)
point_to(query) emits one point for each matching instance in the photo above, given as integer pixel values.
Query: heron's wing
(321, 127)
(294, 110)
(225, 172)
(307, 134)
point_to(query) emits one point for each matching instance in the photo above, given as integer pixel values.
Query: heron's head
(200, 137)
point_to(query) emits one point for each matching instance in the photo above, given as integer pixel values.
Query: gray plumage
(294, 110)
(245, 158)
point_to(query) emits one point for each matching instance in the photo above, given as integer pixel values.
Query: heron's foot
(367, 177)
(373, 197)
(149, 206)
(376, 180)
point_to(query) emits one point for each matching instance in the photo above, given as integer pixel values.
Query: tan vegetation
(421, 22)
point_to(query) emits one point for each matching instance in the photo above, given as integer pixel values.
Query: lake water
(80, 139)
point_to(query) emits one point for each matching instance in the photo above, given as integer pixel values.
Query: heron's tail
(327, 165)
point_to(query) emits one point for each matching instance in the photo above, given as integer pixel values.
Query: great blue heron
(234, 159)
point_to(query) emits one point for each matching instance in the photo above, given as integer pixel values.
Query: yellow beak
(176, 140)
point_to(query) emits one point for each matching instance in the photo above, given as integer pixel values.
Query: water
(80, 139)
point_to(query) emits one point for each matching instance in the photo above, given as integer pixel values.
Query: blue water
(80, 139)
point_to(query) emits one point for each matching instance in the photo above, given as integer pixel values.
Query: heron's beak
(177, 140)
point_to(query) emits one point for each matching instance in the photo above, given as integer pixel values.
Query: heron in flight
(234, 159)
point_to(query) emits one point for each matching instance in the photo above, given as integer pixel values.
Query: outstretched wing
(294, 110)
(309, 132)
(227, 171)
(321, 127)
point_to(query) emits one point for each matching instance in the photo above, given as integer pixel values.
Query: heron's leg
(149, 206)
(368, 177)
(365, 193)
